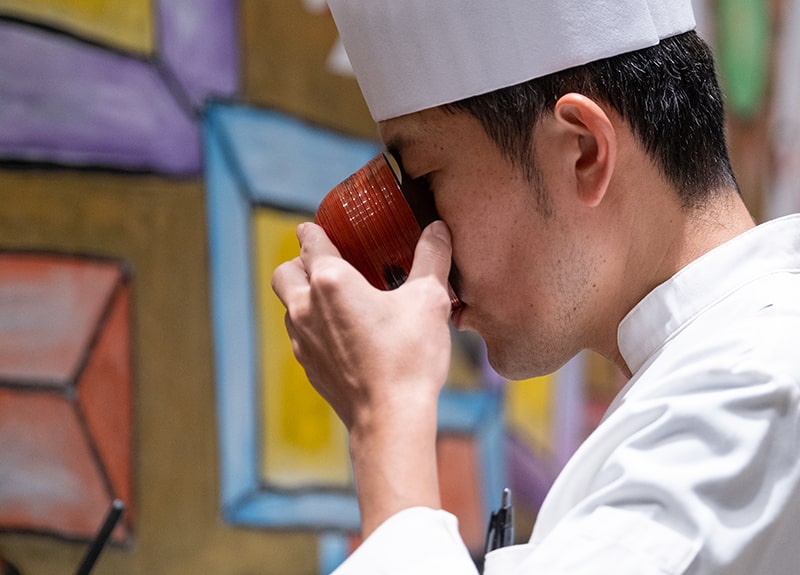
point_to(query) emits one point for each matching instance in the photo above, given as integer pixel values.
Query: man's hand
(379, 358)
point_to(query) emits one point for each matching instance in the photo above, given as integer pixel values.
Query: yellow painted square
(529, 411)
(123, 24)
(303, 443)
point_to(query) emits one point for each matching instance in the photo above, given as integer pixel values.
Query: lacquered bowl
(370, 219)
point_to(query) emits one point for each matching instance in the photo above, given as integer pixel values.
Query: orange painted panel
(104, 396)
(65, 394)
(50, 480)
(49, 309)
(460, 491)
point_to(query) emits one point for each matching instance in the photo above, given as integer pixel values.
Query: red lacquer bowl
(369, 219)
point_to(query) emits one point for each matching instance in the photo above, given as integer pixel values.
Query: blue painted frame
(256, 158)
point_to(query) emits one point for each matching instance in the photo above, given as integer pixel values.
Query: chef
(576, 154)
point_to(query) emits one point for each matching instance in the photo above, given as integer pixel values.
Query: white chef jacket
(695, 468)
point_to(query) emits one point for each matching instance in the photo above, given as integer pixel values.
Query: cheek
(492, 244)
(489, 262)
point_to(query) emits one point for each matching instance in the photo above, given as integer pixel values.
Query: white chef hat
(409, 55)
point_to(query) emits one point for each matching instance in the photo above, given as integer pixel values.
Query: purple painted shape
(569, 421)
(530, 477)
(67, 102)
(199, 44)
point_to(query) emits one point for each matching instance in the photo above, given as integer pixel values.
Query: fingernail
(439, 229)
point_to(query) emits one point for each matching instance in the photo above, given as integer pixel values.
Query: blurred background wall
(155, 156)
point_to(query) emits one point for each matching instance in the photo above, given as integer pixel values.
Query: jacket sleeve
(415, 541)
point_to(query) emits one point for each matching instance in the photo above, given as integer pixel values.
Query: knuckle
(277, 277)
(298, 314)
(327, 279)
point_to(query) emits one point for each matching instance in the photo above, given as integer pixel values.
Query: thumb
(433, 253)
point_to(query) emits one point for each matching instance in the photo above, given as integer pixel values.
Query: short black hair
(667, 93)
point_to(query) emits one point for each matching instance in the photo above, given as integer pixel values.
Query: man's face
(523, 279)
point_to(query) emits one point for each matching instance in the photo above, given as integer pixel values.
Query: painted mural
(155, 158)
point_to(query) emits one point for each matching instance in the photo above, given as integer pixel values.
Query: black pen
(501, 525)
(102, 537)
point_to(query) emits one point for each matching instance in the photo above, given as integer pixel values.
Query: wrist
(394, 461)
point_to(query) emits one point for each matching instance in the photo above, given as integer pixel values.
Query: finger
(433, 253)
(288, 278)
(315, 245)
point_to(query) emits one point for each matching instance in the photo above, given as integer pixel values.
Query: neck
(661, 242)
(699, 231)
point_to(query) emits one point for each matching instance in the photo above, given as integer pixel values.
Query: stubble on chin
(530, 355)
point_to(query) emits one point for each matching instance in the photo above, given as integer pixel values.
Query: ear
(592, 145)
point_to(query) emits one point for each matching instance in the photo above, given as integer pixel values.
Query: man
(575, 151)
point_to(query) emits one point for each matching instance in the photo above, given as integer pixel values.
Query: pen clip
(500, 532)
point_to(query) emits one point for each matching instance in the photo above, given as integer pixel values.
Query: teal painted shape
(743, 53)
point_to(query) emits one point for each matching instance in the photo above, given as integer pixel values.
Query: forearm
(379, 358)
(394, 461)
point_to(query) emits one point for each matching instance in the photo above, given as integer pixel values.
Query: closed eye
(421, 199)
